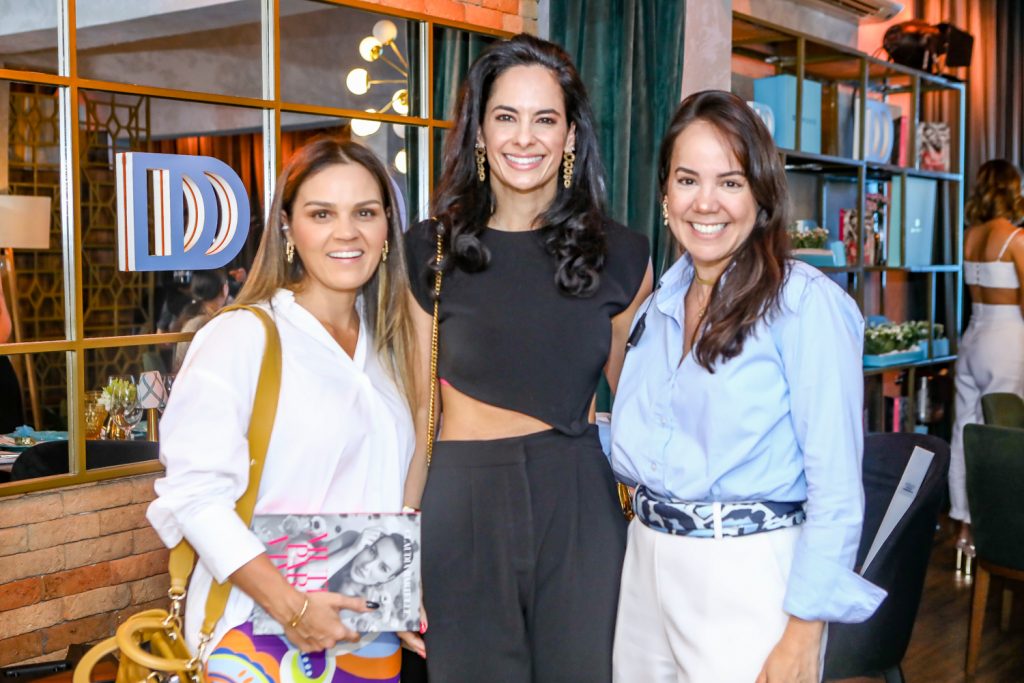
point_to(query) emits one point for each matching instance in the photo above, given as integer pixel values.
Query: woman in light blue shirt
(738, 420)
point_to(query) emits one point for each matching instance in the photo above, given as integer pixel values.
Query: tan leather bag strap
(432, 414)
(261, 424)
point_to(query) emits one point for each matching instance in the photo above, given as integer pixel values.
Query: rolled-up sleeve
(204, 447)
(821, 342)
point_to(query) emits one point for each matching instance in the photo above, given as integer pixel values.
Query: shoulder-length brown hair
(384, 294)
(996, 194)
(751, 287)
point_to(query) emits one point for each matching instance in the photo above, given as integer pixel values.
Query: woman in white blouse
(331, 272)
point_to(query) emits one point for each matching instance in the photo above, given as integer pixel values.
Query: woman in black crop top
(522, 534)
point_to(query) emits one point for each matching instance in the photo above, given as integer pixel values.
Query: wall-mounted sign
(200, 212)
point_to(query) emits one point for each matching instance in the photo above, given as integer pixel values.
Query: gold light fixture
(372, 49)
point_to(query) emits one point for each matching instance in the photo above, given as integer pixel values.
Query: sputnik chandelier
(372, 49)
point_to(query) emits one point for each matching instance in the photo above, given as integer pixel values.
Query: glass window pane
(121, 383)
(343, 57)
(396, 145)
(30, 232)
(202, 46)
(454, 52)
(34, 408)
(129, 303)
(28, 35)
(34, 389)
(440, 135)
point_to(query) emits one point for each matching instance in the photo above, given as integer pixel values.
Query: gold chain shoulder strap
(432, 414)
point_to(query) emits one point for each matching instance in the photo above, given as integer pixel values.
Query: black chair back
(1003, 410)
(876, 647)
(51, 457)
(995, 479)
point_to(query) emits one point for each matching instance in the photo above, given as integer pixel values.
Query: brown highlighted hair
(996, 194)
(384, 294)
(750, 289)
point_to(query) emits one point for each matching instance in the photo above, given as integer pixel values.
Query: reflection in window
(33, 391)
(28, 35)
(35, 290)
(343, 57)
(394, 144)
(194, 46)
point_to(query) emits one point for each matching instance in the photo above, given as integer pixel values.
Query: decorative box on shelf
(779, 93)
(940, 350)
(823, 258)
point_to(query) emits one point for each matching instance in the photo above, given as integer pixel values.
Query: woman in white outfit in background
(992, 351)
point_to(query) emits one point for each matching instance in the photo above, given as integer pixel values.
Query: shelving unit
(837, 167)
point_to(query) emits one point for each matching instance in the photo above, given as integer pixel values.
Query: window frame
(270, 104)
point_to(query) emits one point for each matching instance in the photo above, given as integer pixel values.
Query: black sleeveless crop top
(510, 338)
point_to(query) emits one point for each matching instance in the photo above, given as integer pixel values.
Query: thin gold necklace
(703, 281)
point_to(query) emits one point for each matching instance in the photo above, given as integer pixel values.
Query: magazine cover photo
(369, 555)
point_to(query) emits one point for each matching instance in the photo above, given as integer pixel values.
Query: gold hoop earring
(384, 253)
(481, 157)
(664, 211)
(289, 252)
(568, 164)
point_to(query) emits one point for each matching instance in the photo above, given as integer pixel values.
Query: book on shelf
(894, 257)
(919, 208)
(933, 146)
(370, 555)
(849, 234)
(901, 140)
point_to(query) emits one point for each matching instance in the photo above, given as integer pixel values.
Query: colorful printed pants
(242, 657)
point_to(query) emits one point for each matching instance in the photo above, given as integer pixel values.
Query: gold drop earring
(384, 253)
(289, 246)
(664, 211)
(568, 164)
(481, 158)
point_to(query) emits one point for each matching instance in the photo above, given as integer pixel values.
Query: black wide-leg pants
(523, 541)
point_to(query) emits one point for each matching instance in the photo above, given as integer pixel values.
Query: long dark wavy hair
(574, 222)
(996, 194)
(751, 288)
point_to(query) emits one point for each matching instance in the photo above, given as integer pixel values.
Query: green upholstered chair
(995, 479)
(1003, 410)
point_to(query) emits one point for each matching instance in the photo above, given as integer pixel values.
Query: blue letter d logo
(200, 212)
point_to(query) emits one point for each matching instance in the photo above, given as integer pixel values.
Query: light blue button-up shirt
(779, 422)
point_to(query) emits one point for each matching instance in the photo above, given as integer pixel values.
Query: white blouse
(342, 441)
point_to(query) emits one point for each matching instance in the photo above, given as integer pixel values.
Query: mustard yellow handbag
(150, 646)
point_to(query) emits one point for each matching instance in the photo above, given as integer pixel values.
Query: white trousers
(991, 361)
(700, 610)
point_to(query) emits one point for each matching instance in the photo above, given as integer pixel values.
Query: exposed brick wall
(74, 563)
(514, 16)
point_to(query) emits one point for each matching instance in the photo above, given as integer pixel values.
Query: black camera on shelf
(920, 45)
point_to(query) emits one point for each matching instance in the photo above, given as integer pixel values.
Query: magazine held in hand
(374, 556)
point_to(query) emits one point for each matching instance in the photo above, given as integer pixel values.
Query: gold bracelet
(301, 613)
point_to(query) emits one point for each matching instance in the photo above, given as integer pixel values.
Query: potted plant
(892, 344)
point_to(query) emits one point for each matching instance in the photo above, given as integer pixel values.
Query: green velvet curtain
(630, 55)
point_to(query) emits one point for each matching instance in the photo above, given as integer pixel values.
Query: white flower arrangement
(897, 337)
(118, 395)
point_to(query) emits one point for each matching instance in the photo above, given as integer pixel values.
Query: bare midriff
(467, 419)
(994, 296)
